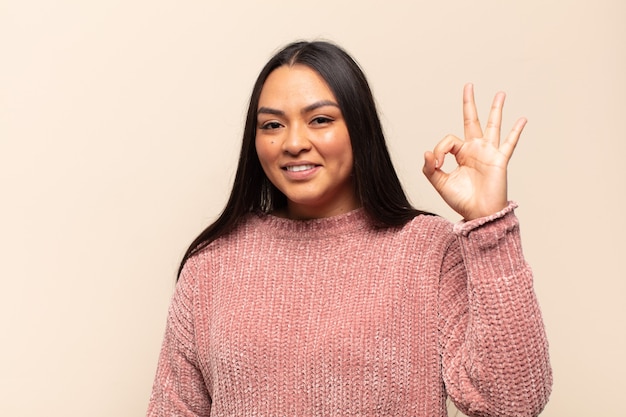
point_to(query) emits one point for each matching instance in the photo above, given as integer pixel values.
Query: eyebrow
(309, 108)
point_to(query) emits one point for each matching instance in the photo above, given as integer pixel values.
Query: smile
(298, 168)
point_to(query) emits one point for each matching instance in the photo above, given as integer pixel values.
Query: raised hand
(477, 187)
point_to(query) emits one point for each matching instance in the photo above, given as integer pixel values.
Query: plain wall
(120, 124)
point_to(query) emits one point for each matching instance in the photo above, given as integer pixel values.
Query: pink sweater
(334, 317)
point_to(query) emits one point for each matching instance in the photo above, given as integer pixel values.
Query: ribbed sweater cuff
(493, 242)
(464, 228)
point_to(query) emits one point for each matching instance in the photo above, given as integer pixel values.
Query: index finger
(471, 123)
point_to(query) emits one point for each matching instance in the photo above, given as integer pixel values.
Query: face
(303, 144)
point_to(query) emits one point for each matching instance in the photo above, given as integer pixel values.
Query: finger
(509, 144)
(449, 144)
(431, 169)
(492, 130)
(470, 114)
(433, 160)
(430, 164)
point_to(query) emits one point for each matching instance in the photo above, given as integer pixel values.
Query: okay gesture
(477, 187)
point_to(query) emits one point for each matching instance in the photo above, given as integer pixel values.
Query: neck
(302, 212)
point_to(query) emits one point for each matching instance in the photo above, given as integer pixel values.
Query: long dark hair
(377, 185)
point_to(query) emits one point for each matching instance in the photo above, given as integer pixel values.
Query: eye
(321, 120)
(270, 126)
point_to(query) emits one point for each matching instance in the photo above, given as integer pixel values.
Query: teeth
(297, 168)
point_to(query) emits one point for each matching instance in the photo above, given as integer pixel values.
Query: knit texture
(335, 317)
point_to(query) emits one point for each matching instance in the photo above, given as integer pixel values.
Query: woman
(321, 291)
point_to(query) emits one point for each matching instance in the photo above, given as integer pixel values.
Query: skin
(477, 187)
(300, 124)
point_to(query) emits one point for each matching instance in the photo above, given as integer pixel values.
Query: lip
(300, 174)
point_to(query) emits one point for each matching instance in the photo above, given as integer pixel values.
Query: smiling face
(303, 144)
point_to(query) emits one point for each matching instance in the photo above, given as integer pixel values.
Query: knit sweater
(336, 317)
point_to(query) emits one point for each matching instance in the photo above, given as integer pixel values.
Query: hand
(478, 185)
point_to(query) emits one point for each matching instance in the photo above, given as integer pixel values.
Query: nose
(296, 140)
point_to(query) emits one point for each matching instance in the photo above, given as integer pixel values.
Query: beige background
(120, 124)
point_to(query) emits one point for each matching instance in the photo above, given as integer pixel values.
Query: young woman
(320, 290)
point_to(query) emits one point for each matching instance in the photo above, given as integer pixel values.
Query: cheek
(266, 151)
(263, 150)
(338, 146)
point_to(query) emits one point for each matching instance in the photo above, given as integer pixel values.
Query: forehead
(293, 84)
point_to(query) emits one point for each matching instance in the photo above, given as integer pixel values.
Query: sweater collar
(314, 228)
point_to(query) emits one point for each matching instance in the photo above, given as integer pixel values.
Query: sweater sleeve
(493, 346)
(179, 388)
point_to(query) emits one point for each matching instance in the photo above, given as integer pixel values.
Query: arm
(492, 342)
(493, 345)
(179, 388)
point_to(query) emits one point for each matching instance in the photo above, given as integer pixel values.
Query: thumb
(431, 168)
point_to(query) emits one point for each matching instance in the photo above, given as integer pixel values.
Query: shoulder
(424, 235)
(430, 227)
(246, 232)
(434, 222)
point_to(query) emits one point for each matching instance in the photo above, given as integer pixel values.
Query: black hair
(376, 183)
